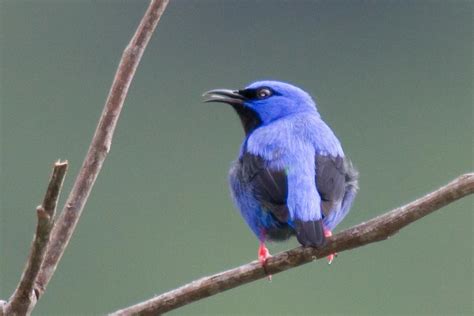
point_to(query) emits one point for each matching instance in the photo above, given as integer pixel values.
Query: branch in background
(377, 229)
(95, 157)
(24, 298)
(101, 142)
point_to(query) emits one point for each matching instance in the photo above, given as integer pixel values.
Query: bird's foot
(263, 255)
(328, 233)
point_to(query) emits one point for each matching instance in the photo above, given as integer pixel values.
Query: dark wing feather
(330, 181)
(269, 186)
(270, 189)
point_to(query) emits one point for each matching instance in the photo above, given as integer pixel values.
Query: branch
(100, 145)
(24, 298)
(51, 238)
(377, 229)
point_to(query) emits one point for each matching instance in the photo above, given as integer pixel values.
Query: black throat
(249, 118)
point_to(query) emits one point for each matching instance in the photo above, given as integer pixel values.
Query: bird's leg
(263, 255)
(328, 233)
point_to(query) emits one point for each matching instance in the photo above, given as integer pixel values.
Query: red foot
(263, 255)
(328, 233)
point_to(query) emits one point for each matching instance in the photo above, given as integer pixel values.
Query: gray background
(392, 78)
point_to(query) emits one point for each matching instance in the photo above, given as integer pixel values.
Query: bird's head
(263, 102)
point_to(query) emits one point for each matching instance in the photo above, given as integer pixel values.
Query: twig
(100, 145)
(376, 229)
(24, 298)
(45, 256)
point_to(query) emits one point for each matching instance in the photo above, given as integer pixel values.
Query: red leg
(263, 255)
(328, 233)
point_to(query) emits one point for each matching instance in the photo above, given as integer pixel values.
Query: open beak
(232, 97)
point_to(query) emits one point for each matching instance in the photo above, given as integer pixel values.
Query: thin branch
(24, 298)
(376, 229)
(52, 239)
(100, 145)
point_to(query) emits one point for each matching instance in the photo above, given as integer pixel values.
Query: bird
(291, 176)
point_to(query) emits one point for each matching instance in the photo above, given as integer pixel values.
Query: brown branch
(100, 145)
(51, 241)
(24, 298)
(376, 229)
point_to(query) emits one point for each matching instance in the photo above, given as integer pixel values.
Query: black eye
(263, 93)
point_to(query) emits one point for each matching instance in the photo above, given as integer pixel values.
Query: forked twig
(101, 142)
(95, 157)
(24, 297)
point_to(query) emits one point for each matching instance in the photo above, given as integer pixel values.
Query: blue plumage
(291, 176)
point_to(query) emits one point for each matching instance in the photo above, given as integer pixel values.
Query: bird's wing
(270, 186)
(337, 183)
(330, 181)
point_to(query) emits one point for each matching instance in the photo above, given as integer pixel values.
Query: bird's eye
(264, 93)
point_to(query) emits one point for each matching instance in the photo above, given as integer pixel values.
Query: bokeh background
(392, 78)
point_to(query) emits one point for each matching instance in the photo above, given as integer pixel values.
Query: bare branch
(376, 229)
(100, 145)
(52, 239)
(24, 298)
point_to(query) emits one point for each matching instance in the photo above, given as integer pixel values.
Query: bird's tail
(310, 233)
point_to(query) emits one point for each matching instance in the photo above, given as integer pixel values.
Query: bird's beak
(232, 97)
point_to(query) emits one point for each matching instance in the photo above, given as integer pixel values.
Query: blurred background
(392, 78)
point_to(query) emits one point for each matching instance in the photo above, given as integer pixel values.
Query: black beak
(232, 97)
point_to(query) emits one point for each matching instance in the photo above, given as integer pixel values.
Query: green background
(392, 78)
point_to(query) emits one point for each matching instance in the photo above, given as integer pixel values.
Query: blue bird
(291, 176)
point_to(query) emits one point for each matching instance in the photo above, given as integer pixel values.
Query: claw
(263, 255)
(328, 233)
